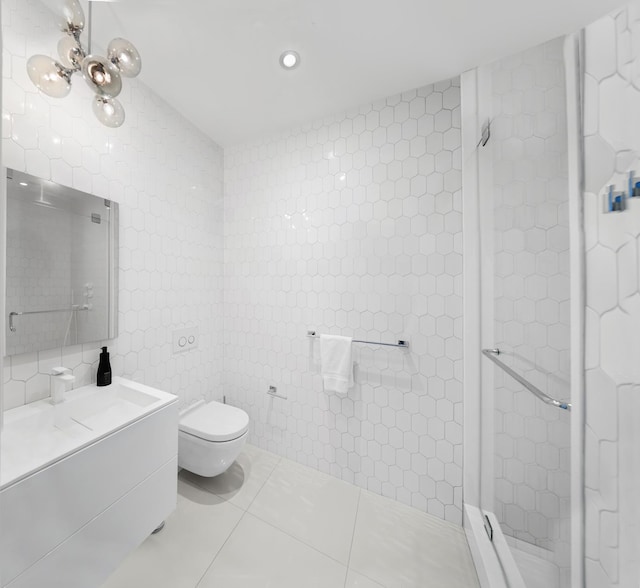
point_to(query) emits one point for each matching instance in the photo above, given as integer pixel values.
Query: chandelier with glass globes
(102, 74)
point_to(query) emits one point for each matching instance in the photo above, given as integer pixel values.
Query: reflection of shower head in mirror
(40, 201)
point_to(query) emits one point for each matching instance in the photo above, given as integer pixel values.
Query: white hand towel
(336, 364)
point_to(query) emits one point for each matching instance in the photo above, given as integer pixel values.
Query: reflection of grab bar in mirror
(12, 327)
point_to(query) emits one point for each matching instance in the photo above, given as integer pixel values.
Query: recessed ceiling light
(289, 59)
(24, 184)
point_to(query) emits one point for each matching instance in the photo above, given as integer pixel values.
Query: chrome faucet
(60, 378)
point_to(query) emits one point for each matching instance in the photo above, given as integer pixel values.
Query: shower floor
(535, 565)
(269, 521)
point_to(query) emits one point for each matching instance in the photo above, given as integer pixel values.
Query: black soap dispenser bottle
(104, 369)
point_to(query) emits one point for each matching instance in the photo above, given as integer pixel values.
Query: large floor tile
(400, 547)
(243, 480)
(258, 555)
(316, 508)
(179, 555)
(355, 580)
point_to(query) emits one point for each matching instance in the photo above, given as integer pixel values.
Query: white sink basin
(105, 407)
(39, 434)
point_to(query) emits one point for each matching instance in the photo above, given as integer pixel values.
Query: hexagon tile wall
(168, 178)
(352, 226)
(612, 149)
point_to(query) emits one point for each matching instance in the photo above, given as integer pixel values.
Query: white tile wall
(531, 284)
(167, 177)
(352, 226)
(612, 141)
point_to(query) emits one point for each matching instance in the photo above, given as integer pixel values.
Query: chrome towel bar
(12, 315)
(400, 343)
(493, 354)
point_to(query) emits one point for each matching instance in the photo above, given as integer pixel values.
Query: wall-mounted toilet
(210, 437)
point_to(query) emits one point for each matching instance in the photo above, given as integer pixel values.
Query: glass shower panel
(532, 479)
(530, 325)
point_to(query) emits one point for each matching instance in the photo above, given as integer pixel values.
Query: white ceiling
(216, 61)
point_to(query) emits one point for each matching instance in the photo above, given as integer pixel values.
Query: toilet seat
(215, 422)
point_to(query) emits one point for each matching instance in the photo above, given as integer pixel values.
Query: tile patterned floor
(271, 522)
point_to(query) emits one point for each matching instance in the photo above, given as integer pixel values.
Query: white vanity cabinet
(84, 483)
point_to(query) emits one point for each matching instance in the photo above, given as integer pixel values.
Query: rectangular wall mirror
(62, 260)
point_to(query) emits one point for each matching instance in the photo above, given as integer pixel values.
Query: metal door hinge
(485, 134)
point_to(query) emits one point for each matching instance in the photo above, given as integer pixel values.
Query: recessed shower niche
(62, 247)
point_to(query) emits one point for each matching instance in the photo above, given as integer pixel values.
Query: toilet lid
(215, 422)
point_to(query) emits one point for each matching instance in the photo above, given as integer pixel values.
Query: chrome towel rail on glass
(492, 354)
(403, 344)
(12, 327)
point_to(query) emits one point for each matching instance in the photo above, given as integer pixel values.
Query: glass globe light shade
(70, 52)
(49, 76)
(101, 76)
(125, 57)
(108, 111)
(71, 19)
